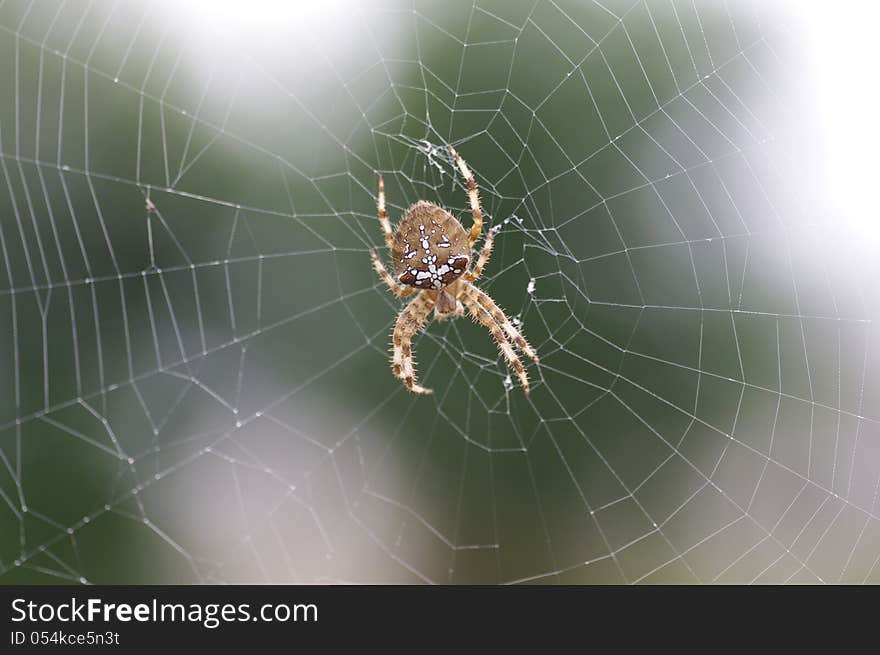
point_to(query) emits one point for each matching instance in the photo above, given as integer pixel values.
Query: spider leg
(398, 289)
(477, 270)
(473, 196)
(410, 319)
(383, 216)
(485, 319)
(514, 335)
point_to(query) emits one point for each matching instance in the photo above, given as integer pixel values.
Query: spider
(431, 251)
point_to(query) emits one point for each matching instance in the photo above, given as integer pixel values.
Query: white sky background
(842, 74)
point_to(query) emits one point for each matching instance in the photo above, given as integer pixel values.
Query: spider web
(195, 350)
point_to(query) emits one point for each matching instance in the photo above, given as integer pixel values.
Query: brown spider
(431, 252)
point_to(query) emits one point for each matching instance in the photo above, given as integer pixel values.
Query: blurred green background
(202, 393)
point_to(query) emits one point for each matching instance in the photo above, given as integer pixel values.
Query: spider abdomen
(430, 248)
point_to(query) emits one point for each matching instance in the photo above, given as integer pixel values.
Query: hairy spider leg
(473, 196)
(408, 323)
(482, 260)
(514, 335)
(484, 318)
(383, 215)
(398, 289)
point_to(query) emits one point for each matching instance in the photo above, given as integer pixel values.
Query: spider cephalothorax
(431, 252)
